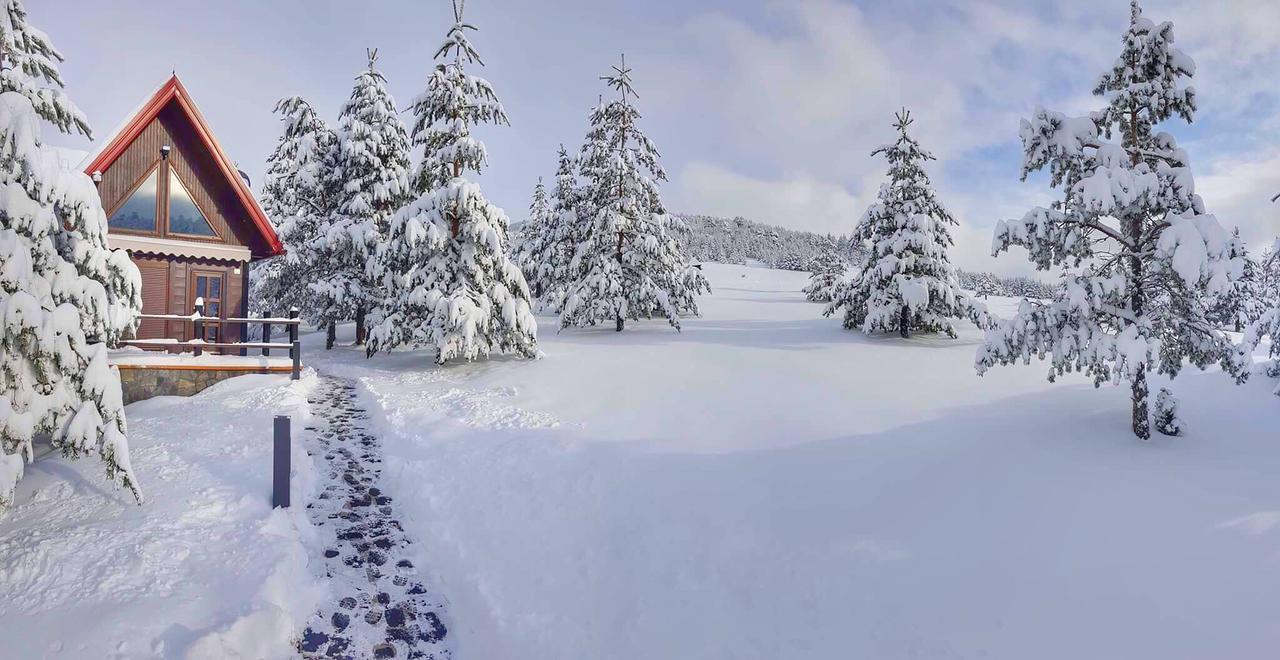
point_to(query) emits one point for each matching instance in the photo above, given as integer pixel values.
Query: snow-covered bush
(907, 282)
(64, 297)
(1166, 413)
(1144, 258)
(444, 267)
(627, 263)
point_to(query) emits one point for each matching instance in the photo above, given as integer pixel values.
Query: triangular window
(184, 216)
(138, 213)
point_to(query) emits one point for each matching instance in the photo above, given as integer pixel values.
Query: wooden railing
(198, 322)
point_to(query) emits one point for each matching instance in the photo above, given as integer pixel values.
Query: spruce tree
(907, 282)
(449, 282)
(64, 296)
(825, 270)
(373, 161)
(1144, 259)
(1244, 301)
(534, 238)
(299, 196)
(626, 263)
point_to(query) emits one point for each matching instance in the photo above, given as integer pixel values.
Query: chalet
(185, 214)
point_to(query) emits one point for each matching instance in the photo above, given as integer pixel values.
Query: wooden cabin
(185, 214)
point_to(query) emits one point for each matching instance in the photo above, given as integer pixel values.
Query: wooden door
(211, 286)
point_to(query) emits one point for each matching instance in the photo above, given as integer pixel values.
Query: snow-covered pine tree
(825, 270)
(31, 69)
(907, 282)
(373, 162)
(627, 263)
(562, 241)
(1244, 300)
(986, 285)
(64, 296)
(535, 236)
(1143, 257)
(449, 282)
(299, 196)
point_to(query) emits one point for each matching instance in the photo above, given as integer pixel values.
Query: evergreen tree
(64, 296)
(373, 162)
(449, 282)
(826, 269)
(626, 263)
(31, 69)
(1244, 300)
(987, 285)
(907, 282)
(299, 196)
(534, 239)
(1143, 257)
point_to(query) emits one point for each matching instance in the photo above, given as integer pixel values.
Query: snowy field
(762, 485)
(204, 569)
(767, 485)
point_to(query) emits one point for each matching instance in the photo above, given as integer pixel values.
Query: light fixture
(164, 152)
(97, 176)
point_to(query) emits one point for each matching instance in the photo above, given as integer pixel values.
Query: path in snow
(380, 609)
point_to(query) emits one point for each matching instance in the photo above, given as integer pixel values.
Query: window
(138, 213)
(184, 216)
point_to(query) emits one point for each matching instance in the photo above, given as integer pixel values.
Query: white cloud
(1239, 192)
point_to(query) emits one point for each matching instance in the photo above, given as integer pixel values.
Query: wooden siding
(196, 169)
(155, 291)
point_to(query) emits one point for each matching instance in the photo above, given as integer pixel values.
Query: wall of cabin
(168, 287)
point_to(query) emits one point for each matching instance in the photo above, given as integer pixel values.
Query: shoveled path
(380, 608)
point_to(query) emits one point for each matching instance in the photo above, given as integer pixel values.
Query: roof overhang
(169, 247)
(173, 91)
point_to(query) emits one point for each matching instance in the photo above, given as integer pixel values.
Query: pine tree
(31, 69)
(626, 263)
(373, 161)
(1244, 300)
(64, 296)
(449, 282)
(826, 269)
(535, 237)
(986, 285)
(907, 282)
(1143, 256)
(299, 195)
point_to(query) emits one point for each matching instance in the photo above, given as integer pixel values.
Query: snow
(205, 569)
(765, 484)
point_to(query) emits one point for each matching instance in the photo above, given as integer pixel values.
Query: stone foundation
(143, 382)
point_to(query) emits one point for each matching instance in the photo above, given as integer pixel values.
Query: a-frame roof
(172, 91)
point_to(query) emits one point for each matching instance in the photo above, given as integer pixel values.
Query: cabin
(176, 202)
(185, 214)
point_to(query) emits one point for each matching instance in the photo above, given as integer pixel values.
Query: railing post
(266, 338)
(293, 327)
(295, 352)
(197, 326)
(280, 463)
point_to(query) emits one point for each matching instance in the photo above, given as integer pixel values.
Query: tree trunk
(620, 323)
(360, 330)
(620, 320)
(331, 333)
(1133, 229)
(1141, 425)
(904, 322)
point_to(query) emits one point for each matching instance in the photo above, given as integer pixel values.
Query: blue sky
(763, 109)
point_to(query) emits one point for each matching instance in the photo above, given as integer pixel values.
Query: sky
(763, 109)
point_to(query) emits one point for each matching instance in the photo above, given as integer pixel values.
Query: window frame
(162, 204)
(168, 206)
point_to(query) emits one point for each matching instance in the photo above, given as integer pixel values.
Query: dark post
(293, 328)
(280, 464)
(266, 338)
(295, 352)
(197, 326)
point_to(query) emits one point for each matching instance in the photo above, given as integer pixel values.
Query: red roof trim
(173, 91)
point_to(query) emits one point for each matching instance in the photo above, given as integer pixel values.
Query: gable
(197, 180)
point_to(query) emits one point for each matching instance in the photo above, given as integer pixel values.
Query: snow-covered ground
(204, 569)
(765, 484)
